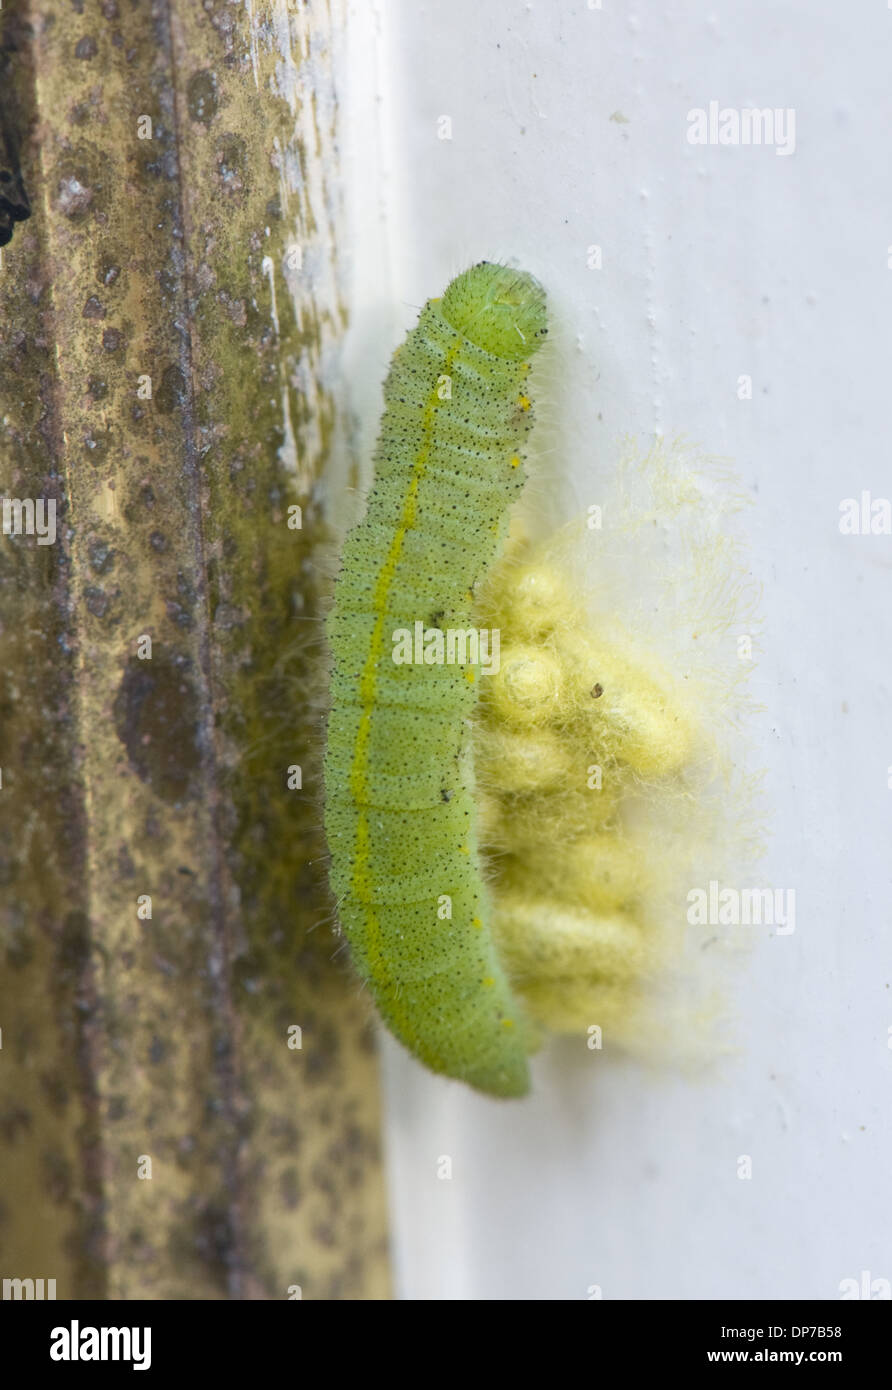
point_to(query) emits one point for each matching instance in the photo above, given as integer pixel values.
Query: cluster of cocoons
(568, 731)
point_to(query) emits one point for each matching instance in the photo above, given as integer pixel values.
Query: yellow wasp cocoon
(542, 942)
(602, 871)
(543, 820)
(520, 762)
(640, 722)
(572, 1004)
(540, 601)
(527, 688)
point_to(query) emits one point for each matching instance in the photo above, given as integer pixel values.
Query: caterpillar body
(400, 812)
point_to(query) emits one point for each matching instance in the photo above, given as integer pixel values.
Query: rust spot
(55, 1088)
(156, 718)
(56, 1176)
(15, 1121)
(289, 1188)
(172, 391)
(75, 196)
(100, 554)
(97, 601)
(201, 96)
(73, 947)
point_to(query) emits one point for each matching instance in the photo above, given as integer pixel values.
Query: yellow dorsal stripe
(363, 878)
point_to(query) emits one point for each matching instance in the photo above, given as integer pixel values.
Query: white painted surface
(717, 261)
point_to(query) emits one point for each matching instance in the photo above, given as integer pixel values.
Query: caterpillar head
(498, 309)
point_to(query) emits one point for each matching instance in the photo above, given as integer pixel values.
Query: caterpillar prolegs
(463, 970)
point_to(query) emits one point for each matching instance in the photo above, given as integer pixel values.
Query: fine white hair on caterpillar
(508, 772)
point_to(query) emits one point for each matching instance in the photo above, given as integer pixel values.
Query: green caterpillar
(400, 808)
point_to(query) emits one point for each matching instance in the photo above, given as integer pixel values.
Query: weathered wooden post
(188, 1092)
